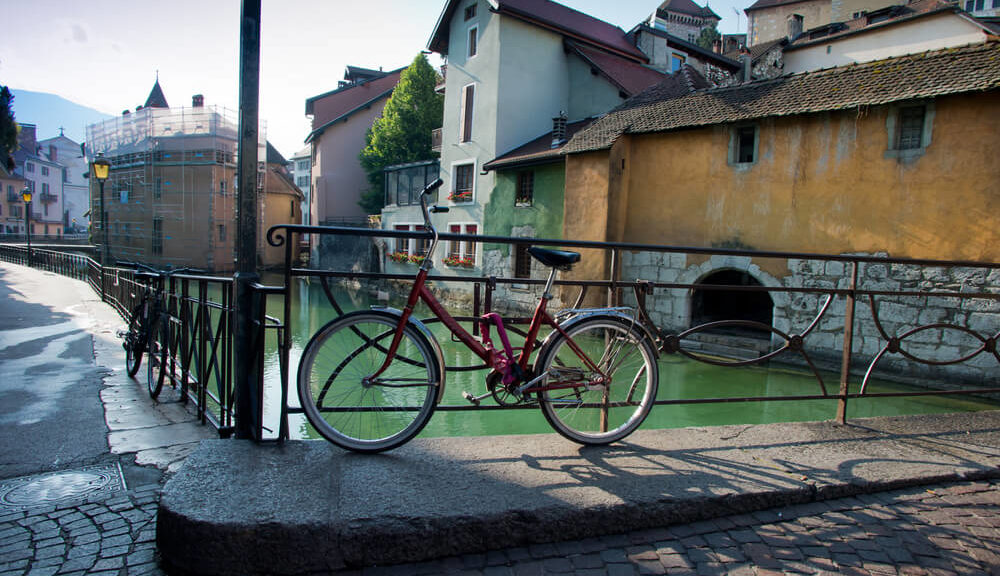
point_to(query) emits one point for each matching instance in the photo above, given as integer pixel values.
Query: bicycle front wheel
(135, 338)
(357, 412)
(156, 364)
(598, 407)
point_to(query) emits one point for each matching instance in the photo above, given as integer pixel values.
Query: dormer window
(470, 12)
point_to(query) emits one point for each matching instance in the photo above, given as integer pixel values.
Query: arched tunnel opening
(715, 305)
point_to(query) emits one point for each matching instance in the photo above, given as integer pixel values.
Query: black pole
(104, 228)
(248, 394)
(27, 228)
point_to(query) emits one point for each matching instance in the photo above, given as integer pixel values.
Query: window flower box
(459, 262)
(404, 258)
(463, 196)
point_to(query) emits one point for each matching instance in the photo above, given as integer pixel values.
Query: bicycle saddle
(561, 259)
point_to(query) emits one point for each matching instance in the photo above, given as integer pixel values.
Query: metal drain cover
(88, 483)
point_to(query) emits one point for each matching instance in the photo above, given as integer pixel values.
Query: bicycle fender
(596, 314)
(426, 333)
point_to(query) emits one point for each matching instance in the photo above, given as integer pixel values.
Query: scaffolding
(170, 198)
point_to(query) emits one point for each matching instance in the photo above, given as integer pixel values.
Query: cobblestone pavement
(112, 537)
(938, 530)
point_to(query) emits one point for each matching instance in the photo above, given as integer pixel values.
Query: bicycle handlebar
(427, 218)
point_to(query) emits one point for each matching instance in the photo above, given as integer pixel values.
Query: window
(464, 177)
(676, 62)
(525, 188)
(473, 41)
(402, 244)
(222, 232)
(45, 170)
(409, 249)
(123, 192)
(157, 246)
(470, 12)
(743, 145)
(980, 4)
(462, 252)
(157, 188)
(302, 182)
(911, 128)
(29, 167)
(468, 104)
(222, 187)
(291, 209)
(302, 165)
(522, 261)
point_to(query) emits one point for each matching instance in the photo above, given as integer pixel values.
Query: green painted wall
(545, 214)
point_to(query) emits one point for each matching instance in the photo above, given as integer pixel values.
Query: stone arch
(727, 266)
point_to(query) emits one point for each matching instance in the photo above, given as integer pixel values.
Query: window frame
(464, 248)
(521, 261)
(471, 164)
(467, 116)
(470, 11)
(472, 42)
(894, 127)
(736, 133)
(521, 200)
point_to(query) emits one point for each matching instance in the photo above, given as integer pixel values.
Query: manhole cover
(89, 483)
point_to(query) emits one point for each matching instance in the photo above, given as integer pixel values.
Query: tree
(403, 132)
(709, 35)
(8, 129)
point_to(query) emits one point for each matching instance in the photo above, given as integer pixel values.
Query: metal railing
(200, 310)
(828, 303)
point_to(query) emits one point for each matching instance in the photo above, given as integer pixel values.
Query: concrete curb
(300, 507)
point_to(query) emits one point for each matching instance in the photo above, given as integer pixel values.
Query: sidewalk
(96, 478)
(83, 449)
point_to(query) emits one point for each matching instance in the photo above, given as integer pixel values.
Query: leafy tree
(403, 132)
(8, 128)
(708, 36)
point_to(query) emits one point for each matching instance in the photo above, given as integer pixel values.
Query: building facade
(877, 158)
(75, 193)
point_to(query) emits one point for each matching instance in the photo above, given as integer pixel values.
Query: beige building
(768, 20)
(170, 199)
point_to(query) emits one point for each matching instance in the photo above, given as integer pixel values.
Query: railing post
(614, 297)
(845, 360)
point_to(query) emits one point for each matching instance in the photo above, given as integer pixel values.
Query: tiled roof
(688, 7)
(628, 75)
(757, 50)
(538, 151)
(689, 47)
(547, 14)
(339, 104)
(156, 98)
(974, 68)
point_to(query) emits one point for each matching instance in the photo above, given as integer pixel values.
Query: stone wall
(934, 328)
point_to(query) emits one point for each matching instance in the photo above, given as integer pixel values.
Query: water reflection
(679, 378)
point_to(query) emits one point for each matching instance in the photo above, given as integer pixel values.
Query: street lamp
(26, 196)
(101, 167)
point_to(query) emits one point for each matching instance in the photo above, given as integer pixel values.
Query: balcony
(47, 198)
(436, 140)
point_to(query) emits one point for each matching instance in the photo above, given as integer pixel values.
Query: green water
(680, 378)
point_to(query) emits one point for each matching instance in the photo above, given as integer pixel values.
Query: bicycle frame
(504, 363)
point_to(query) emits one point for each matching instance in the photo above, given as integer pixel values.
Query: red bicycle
(369, 380)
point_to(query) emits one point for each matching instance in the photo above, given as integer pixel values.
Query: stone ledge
(299, 507)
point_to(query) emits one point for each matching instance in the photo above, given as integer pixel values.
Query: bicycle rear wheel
(361, 415)
(156, 365)
(136, 337)
(574, 399)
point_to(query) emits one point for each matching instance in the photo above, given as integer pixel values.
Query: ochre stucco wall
(822, 184)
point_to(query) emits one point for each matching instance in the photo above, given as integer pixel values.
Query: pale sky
(105, 54)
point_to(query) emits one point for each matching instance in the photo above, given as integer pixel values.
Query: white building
(75, 194)
(299, 168)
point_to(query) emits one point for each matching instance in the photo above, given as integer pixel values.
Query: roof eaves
(765, 5)
(347, 87)
(318, 131)
(877, 26)
(691, 47)
(597, 67)
(635, 55)
(436, 42)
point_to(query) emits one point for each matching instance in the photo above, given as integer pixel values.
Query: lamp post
(101, 167)
(26, 196)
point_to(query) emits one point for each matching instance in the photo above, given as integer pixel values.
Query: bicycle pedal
(470, 398)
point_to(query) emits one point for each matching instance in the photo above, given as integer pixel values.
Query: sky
(106, 54)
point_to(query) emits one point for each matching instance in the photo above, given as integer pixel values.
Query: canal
(680, 378)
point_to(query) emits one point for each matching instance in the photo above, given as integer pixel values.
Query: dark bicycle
(149, 328)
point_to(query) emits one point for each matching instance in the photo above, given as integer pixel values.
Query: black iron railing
(816, 305)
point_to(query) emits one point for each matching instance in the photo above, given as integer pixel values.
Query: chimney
(746, 66)
(559, 130)
(197, 101)
(126, 112)
(53, 153)
(794, 23)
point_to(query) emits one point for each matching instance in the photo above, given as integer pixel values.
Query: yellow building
(893, 157)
